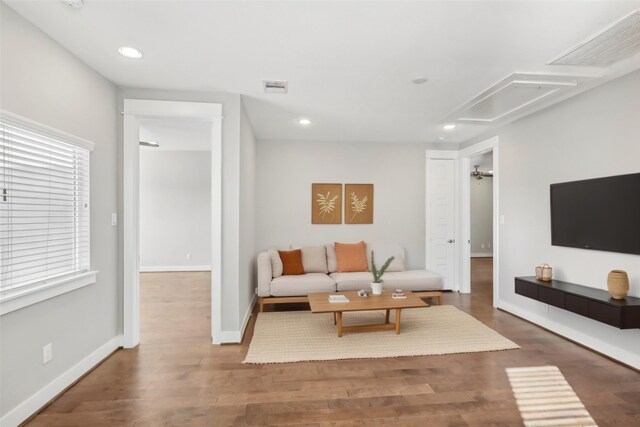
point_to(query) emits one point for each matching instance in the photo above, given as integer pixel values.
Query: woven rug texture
(296, 336)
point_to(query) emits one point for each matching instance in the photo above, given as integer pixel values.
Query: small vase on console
(618, 284)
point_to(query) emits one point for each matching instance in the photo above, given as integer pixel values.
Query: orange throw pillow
(291, 262)
(351, 257)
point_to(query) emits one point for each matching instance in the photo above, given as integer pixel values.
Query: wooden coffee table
(320, 304)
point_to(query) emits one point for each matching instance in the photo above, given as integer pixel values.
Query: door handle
(451, 241)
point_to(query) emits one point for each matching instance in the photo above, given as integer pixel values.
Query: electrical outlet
(489, 246)
(483, 246)
(188, 256)
(256, 290)
(501, 219)
(47, 353)
(114, 219)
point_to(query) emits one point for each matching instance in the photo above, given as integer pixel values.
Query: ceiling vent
(513, 95)
(275, 86)
(618, 41)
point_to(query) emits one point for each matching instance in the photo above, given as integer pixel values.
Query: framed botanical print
(358, 203)
(326, 203)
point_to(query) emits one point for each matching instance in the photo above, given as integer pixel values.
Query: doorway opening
(175, 231)
(481, 224)
(138, 113)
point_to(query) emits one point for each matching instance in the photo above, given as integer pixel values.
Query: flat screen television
(601, 214)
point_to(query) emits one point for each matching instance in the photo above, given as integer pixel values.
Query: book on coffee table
(338, 298)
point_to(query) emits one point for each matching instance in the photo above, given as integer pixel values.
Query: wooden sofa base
(287, 300)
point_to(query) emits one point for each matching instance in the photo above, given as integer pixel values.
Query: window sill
(20, 298)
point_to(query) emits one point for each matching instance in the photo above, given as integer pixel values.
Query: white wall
(42, 81)
(592, 135)
(286, 170)
(247, 278)
(175, 210)
(481, 195)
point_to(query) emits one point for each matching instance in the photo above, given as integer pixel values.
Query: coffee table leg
(339, 318)
(397, 320)
(386, 319)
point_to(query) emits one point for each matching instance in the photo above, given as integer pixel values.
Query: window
(44, 212)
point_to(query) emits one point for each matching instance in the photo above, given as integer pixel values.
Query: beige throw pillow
(382, 252)
(314, 259)
(276, 262)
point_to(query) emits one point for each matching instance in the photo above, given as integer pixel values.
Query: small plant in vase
(376, 285)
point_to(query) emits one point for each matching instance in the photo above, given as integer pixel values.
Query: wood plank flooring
(176, 377)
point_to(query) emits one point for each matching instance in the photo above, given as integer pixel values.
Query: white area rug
(546, 399)
(298, 336)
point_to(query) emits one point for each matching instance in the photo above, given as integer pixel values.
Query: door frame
(491, 144)
(134, 110)
(429, 261)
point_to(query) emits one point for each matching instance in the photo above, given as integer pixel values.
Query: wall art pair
(327, 203)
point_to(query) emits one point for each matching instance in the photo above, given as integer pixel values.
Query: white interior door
(441, 213)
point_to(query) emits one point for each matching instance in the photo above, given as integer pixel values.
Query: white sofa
(322, 276)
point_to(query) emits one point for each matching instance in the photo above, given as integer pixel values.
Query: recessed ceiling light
(449, 126)
(130, 52)
(304, 122)
(420, 81)
(441, 138)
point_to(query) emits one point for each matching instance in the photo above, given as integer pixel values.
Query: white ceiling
(176, 135)
(349, 64)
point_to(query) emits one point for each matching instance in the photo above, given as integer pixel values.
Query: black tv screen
(601, 214)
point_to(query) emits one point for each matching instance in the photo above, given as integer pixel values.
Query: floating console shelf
(593, 303)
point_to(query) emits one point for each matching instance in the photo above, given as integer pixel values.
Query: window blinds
(44, 206)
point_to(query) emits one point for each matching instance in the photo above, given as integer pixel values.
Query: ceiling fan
(479, 174)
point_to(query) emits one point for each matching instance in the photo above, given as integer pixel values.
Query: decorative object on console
(618, 284)
(326, 203)
(376, 285)
(358, 207)
(544, 272)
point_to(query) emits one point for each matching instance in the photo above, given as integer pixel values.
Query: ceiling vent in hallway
(618, 41)
(275, 86)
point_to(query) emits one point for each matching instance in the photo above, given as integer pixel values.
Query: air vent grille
(275, 86)
(618, 41)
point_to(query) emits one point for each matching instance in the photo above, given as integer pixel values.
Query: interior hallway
(176, 377)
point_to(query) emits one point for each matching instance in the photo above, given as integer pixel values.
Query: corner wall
(592, 135)
(286, 170)
(44, 82)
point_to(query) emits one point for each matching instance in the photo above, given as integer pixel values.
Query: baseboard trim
(608, 350)
(235, 337)
(168, 268)
(482, 255)
(37, 401)
(247, 316)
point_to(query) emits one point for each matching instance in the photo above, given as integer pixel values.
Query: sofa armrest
(265, 274)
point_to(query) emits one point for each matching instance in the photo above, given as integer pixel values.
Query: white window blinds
(44, 204)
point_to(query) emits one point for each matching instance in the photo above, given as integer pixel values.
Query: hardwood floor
(176, 377)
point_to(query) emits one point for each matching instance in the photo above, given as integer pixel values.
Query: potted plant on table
(376, 285)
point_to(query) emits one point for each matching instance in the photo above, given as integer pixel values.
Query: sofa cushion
(383, 252)
(276, 262)
(309, 283)
(351, 257)
(314, 259)
(332, 262)
(413, 280)
(291, 262)
(352, 281)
